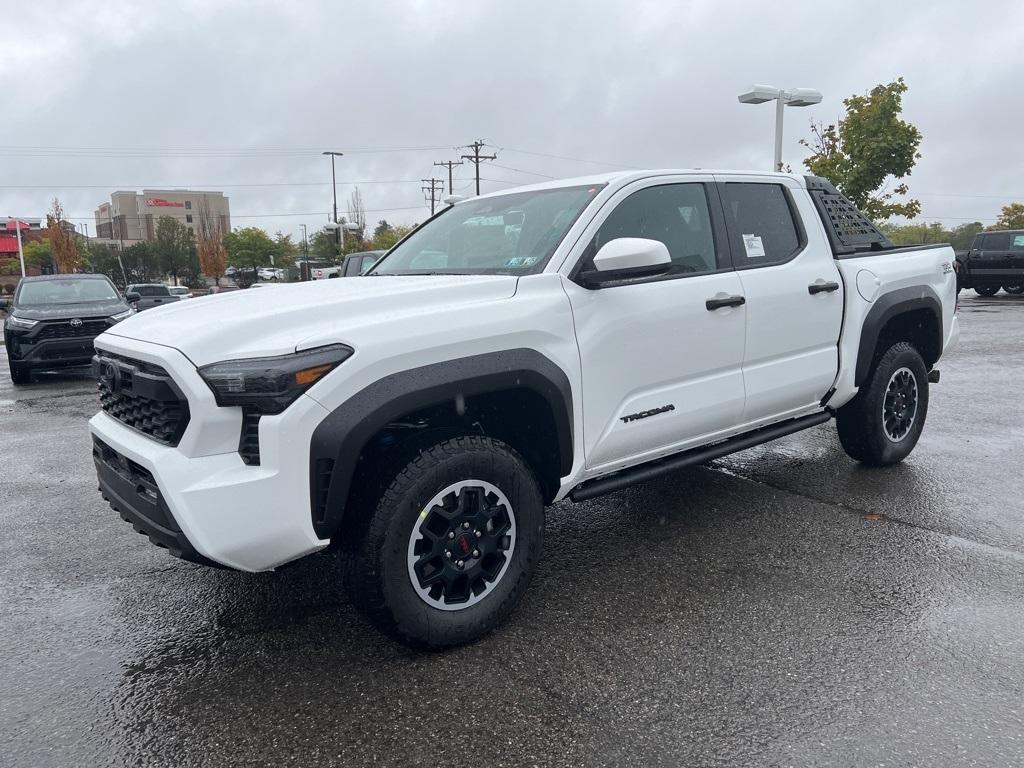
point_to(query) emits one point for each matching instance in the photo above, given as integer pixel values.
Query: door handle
(822, 287)
(725, 301)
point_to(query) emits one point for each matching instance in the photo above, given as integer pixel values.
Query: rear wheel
(1014, 289)
(449, 548)
(987, 290)
(20, 374)
(882, 424)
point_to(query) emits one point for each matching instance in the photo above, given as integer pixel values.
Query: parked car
(357, 264)
(181, 291)
(53, 320)
(270, 273)
(995, 260)
(148, 295)
(324, 273)
(354, 265)
(616, 328)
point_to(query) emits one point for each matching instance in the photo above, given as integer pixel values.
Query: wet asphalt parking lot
(782, 606)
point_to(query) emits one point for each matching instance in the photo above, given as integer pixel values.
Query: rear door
(793, 291)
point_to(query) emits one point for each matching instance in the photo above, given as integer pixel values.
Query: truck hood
(276, 320)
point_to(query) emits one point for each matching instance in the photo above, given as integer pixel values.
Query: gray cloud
(643, 84)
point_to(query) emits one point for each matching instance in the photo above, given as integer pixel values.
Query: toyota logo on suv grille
(76, 323)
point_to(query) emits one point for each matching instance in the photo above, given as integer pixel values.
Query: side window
(761, 224)
(1017, 242)
(675, 214)
(997, 241)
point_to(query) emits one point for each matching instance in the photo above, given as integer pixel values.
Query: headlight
(271, 384)
(20, 322)
(122, 315)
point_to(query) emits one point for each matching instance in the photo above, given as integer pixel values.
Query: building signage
(158, 202)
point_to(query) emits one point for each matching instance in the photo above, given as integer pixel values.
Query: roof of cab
(625, 177)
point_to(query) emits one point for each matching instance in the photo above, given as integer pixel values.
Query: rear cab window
(763, 228)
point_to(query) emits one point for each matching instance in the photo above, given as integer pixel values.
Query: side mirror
(132, 297)
(627, 258)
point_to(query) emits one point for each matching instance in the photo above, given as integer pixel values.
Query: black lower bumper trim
(132, 492)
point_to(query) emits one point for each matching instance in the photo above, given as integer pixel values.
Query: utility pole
(476, 158)
(334, 185)
(435, 187)
(449, 164)
(305, 243)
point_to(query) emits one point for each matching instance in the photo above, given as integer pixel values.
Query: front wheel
(450, 546)
(1015, 290)
(882, 424)
(987, 290)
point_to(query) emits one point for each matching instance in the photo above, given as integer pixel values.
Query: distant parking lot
(780, 606)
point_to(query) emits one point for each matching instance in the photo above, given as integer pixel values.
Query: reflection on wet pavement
(780, 606)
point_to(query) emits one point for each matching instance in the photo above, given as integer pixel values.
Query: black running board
(643, 472)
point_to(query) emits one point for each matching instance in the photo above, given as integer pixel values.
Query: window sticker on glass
(753, 246)
(1018, 241)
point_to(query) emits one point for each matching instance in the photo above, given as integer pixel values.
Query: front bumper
(203, 502)
(57, 353)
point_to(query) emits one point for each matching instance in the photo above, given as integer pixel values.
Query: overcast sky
(218, 93)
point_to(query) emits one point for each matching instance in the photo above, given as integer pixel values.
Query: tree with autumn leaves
(61, 238)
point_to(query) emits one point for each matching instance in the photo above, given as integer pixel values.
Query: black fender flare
(342, 435)
(885, 308)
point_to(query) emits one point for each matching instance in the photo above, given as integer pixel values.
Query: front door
(661, 369)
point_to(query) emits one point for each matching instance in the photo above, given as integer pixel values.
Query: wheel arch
(907, 314)
(341, 438)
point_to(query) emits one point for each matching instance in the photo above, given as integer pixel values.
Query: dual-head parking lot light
(794, 97)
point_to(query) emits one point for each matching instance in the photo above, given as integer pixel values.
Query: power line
(519, 170)
(195, 187)
(256, 215)
(571, 159)
(476, 158)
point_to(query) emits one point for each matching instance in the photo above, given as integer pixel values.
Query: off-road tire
(860, 424)
(987, 290)
(377, 567)
(1014, 290)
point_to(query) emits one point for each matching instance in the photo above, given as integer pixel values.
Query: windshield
(70, 291)
(149, 290)
(511, 234)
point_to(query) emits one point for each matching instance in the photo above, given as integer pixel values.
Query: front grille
(141, 395)
(89, 329)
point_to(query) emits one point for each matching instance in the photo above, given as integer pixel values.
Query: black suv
(996, 260)
(54, 319)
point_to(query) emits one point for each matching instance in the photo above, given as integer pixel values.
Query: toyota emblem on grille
(76, 323)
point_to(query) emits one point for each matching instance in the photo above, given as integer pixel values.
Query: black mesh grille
(89, 329)
(143, 396)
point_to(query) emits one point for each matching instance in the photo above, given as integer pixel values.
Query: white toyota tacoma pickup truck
(559, 340)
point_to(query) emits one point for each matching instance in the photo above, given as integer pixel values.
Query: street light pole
(334, 186)
(21, 253)
(794, 97)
